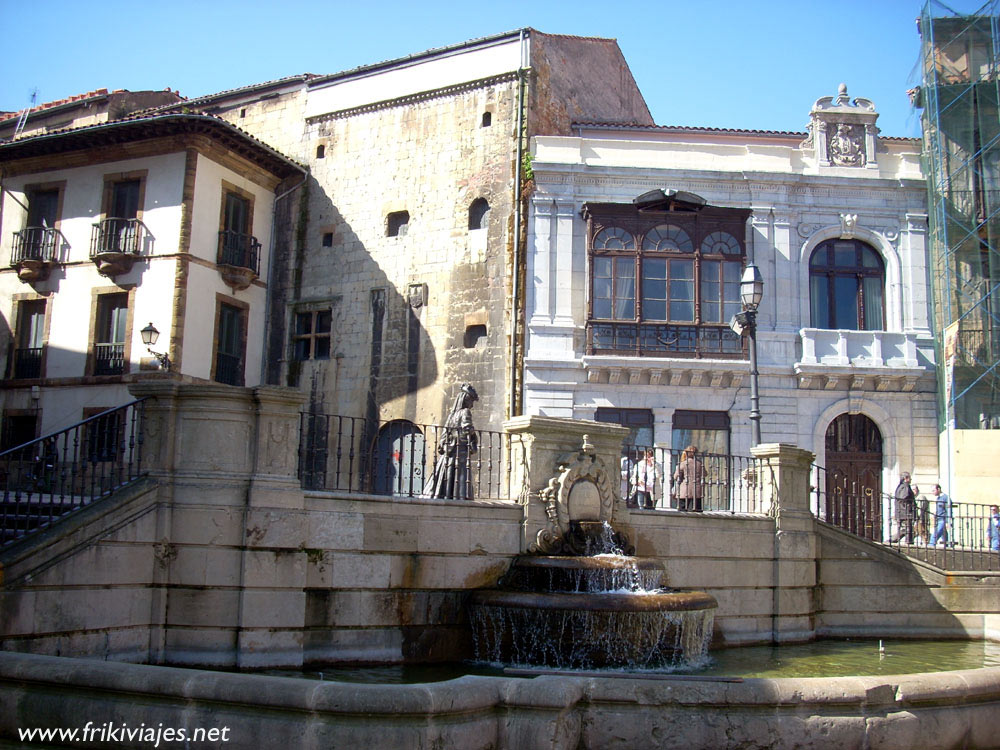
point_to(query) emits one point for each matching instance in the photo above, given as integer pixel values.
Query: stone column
(784, 476)
(540, 444)
(275, 480)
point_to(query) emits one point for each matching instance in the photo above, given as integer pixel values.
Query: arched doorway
(854, 475)
(398, 468)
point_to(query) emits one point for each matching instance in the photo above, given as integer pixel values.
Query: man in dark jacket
(906, 508)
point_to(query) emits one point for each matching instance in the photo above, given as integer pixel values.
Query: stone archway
(854, 475)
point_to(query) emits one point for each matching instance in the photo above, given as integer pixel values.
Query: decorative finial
(588, 447)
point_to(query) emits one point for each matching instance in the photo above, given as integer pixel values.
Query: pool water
(826, 658)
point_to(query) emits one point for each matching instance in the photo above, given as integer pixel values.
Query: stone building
(629, 309)
(397, 282)
(107, 227)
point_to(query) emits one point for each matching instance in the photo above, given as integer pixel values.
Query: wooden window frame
(95, 307)
(244, 308)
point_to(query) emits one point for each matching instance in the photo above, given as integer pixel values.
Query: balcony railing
(116, 236)
(228, 369)
(35, 243)
(239, 250)
(664, 340)
(47, 478)
(909, 528)
(398, 458)
(28, 363)
(109, 359)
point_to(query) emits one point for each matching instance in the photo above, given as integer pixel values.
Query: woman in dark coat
(689, 480)
(451, 477)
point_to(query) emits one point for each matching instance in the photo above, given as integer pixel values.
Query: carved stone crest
(582, 491)
(842, 131)
(846, 145)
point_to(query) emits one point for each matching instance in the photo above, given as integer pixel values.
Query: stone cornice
(420, 96)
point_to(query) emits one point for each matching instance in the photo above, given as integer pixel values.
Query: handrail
(963, 540)
(44, 479)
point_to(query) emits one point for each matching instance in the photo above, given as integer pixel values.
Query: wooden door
(854, 475)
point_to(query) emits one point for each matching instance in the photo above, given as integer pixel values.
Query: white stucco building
(106, 228)
(628, 307)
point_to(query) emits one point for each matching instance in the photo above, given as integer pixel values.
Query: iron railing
(116, 236)
(908, 528)
(239, 250)
(43, 480)
(397, 457)
(27, 363)
(109, 359)
(228, 369)
(706, 482)
(35, 243)
(665, 340)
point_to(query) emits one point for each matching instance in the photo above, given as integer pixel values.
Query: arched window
(846, 283)
(479, 213)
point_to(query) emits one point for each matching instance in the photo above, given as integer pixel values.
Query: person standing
(906, 508)
(944, 517)
(689, 478)
(993, 528)
(645, 477)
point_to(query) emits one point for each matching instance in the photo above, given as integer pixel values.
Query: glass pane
(668, 238)
(868, 258)
(303, 323)
(125, 200)
(819, 302)
(654, 309)
(323, 320)
(681, 289)
(844, 254)
(602, 288)
(845, 302)
(237, 211)
(731, 272)
(602, 308)
(871, 288)
(42, 208)
(301, 349)
(625, 308)
(682, 269)
(322, 347)
(681, 310)
(613, 238)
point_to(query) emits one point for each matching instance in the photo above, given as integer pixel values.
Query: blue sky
(756, 65)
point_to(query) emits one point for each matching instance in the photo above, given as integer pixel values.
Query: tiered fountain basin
(603, 611)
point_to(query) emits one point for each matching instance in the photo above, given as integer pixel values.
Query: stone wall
(219, 558)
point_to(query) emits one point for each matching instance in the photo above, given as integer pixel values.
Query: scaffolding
(960, 96)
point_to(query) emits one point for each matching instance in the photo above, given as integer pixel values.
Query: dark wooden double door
(854, 475)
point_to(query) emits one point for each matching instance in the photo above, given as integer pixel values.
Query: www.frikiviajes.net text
(111, 733)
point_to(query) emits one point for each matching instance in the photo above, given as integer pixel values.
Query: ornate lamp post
(149, 336)
(751, 292)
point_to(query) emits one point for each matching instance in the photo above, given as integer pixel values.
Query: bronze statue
(459, 442)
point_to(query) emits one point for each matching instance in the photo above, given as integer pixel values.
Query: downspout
(512, 407)
(268, 318)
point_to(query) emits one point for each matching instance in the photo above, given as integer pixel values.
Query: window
(846, 282)
(397, 223)
(321, 152)
(639, 422)
(665, 283)
(311, 337)
(110, 334)
(118, 231)
(30, 341)
(487, 119)
(230, 340)
(475, 337)
(237, 246)
(327, 239)
(37, 241)
(479, 213)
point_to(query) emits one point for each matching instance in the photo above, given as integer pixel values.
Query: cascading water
(602, 608)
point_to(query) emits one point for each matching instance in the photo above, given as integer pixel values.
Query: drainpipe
(268, 318)
(516, 287)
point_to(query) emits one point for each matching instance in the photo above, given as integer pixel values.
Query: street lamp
(751, 292)
(149, 336)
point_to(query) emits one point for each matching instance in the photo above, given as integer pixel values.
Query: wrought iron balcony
(238, 258)
(115, 244)
(664, 340)
(28, 363)
(109, 359)
(228, 369)
(36, 251)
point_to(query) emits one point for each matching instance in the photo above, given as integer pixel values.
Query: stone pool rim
(929, 710)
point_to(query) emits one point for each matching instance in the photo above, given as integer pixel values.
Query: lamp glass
(751, 287)
(149, 335)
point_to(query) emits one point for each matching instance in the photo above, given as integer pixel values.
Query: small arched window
(487, 119)
(320, 151)
(479, 213)
(846, 286)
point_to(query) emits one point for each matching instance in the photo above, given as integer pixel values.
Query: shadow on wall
(378, 350)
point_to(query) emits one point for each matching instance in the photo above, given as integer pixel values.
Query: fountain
(580, 599)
